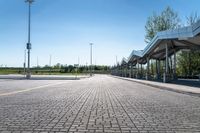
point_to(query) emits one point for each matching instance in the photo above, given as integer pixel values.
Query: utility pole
(37, 62)
(50, 63)
(77, 67)
(91, 59)
(95, 65)
(25, 63)
(86, 68)
(28, 45)
(78, 61)
(50, 60)
(116, 60)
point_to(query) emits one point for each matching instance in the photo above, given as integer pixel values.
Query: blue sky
(64, 28)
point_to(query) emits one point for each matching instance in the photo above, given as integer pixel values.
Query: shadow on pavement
(187, 82)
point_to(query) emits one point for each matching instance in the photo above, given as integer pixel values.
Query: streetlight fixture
(28, 45)
(91, 59)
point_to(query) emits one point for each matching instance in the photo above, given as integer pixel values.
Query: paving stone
(98, 104)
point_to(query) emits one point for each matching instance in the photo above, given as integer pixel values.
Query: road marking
(29, 89)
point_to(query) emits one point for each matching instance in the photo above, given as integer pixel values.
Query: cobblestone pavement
(98, 104)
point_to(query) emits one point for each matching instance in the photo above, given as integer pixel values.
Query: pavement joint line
(128, 101)
(30, 89)
(109, 97)
(122, 106)
(161, 87)
(72, 103)
(90, 92)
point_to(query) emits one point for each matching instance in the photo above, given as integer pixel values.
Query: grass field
(44, 71)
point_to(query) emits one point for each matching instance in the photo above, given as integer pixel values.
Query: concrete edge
(161, 87)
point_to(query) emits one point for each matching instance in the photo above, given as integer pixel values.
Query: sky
(64, 29)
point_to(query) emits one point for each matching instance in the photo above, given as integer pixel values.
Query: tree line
(58, 69)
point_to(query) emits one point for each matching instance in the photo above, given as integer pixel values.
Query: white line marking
(29, 89)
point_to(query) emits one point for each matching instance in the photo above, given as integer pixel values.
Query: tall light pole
(91, 59)
(37, 62)
(25, 63)
(116, 60)
(28, 45)
(50, 62)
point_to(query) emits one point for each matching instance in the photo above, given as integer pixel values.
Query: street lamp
(28, 45)
(25, 63)
(91, 59)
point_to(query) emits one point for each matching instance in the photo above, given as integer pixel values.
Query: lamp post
(25, 63)
(28, 45)
(50, 56)
(91, 59)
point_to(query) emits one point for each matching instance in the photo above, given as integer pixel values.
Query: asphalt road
(98, 104)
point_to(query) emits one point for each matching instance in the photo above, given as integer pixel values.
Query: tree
(57, 66)
(189, 61)
(168, 19)
(193, 18)
(70, 68)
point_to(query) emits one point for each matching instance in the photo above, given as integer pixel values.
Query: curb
(161, 87)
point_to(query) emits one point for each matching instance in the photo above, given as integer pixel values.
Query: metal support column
(126, 70)
(165, 76)
(131, 70)
(147, 71)
(158, 68)
(141, 71)
(137, 74)
(174, 74)
(117, 70)
(123, 71)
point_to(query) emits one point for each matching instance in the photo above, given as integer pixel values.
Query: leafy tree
(189, 61)
(57, 66)
(168, 19)
(70, 68)
(193, 18)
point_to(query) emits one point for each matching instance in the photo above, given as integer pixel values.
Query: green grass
(45, 71)
(9, 71)
(5, 71)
